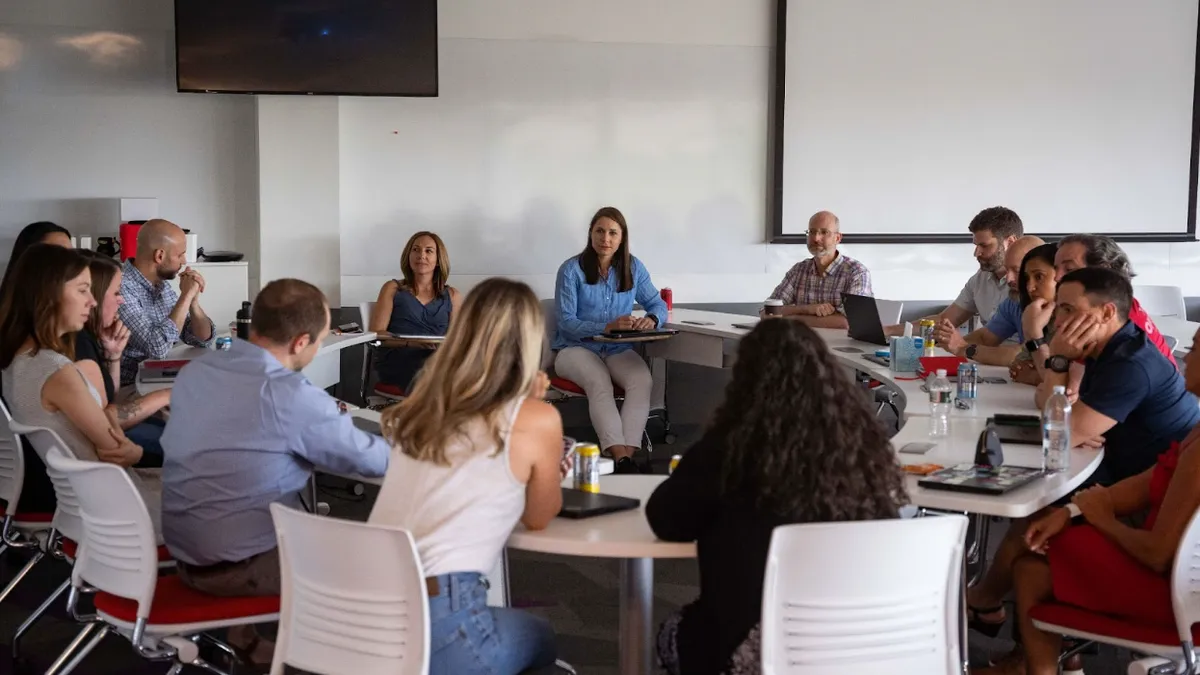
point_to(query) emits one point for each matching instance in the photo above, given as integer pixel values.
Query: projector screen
(908, 118)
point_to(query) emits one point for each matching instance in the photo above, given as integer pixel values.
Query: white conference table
(627, 537)
(715, 346)
(325, 370)
(959, 448)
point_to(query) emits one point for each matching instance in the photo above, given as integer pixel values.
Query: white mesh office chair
(872, 597)
(119, 559)
(1161, 300)
(1177, 646)
(18, 529)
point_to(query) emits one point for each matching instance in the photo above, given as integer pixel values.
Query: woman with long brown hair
(594, 294)
(419, 303)
(102, 341)
(42, 384)
(794, 442)
(475, 450)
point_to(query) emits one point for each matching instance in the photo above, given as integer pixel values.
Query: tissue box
(906, 354)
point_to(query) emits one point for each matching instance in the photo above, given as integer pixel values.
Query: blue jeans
(148, 434)
(469, 638)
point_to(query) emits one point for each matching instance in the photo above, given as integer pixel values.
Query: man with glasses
(812, 290)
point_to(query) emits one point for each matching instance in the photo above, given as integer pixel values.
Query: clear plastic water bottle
(1056, 432)
(941, 396)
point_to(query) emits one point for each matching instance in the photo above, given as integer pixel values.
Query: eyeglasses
(820, 233)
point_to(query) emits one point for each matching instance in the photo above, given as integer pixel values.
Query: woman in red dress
(1104, 565)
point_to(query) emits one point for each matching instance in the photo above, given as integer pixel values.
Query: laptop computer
(579, 504)
(863, 317)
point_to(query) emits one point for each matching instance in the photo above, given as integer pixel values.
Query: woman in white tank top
(475, 449)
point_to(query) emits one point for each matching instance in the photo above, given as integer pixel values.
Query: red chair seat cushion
(175, 603)
(28, 517)
(1069, 616)
(390, 390)
(563, 384)
(69, 547)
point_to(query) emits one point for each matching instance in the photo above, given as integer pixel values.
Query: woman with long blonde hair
(475, 449)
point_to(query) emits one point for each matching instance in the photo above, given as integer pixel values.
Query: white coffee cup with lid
(773, 307)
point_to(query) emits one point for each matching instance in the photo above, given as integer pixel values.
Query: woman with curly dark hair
(794, 442)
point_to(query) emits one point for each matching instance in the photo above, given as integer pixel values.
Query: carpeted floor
(579, 596)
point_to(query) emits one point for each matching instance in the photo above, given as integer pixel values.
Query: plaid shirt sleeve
(860, 282)
(151, 331)
(788, 288)
(189, 337)
(857, 282)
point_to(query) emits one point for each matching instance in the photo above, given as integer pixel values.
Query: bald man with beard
(812, 290)
(157, 316)
(992, 344)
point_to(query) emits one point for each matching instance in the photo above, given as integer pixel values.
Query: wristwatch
(970, 353)
(1032, 346)
(1058, 364)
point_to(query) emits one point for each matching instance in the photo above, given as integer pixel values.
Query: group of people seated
(473, 449)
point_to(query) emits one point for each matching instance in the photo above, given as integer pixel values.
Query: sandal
(976, 623)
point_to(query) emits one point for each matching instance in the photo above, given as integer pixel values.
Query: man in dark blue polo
(1130, 395)
(1131, 398)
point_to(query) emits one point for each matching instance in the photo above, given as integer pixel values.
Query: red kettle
(128, 235)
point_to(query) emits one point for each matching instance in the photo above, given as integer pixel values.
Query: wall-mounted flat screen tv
(332, 47)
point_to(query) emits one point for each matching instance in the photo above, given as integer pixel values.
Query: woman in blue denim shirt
(594, 293)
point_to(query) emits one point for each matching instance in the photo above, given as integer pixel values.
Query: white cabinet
(226, 287)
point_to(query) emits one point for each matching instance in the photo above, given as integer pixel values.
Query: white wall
(75, 133)
(89, 114)
(298, 191)
(551, 108)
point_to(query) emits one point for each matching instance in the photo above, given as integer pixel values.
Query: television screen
(346, 47)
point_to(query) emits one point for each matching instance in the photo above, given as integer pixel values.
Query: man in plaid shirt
(157, 316)
(812, 290)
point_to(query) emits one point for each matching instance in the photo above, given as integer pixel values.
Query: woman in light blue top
(594, 294)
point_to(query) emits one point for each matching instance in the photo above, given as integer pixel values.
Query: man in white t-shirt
(992, 230)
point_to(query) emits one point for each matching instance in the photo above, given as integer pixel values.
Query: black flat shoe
(626, 465)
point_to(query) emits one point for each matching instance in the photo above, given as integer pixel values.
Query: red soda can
(669, 298)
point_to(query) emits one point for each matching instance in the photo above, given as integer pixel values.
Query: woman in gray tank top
(41, 383)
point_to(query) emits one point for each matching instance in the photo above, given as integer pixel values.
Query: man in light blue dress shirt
(246, 430)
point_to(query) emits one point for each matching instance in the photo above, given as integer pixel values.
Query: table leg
(637, 605)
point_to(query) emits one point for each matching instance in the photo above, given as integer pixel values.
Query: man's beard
(993, 264)
(820, 252)
(166, 273)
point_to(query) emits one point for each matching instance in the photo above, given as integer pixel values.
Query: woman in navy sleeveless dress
(419, 304)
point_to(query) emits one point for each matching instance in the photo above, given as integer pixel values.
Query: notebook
(980, 479)
(579, 504)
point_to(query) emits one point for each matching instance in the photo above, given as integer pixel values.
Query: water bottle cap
(1059, 389)
(941, 372)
